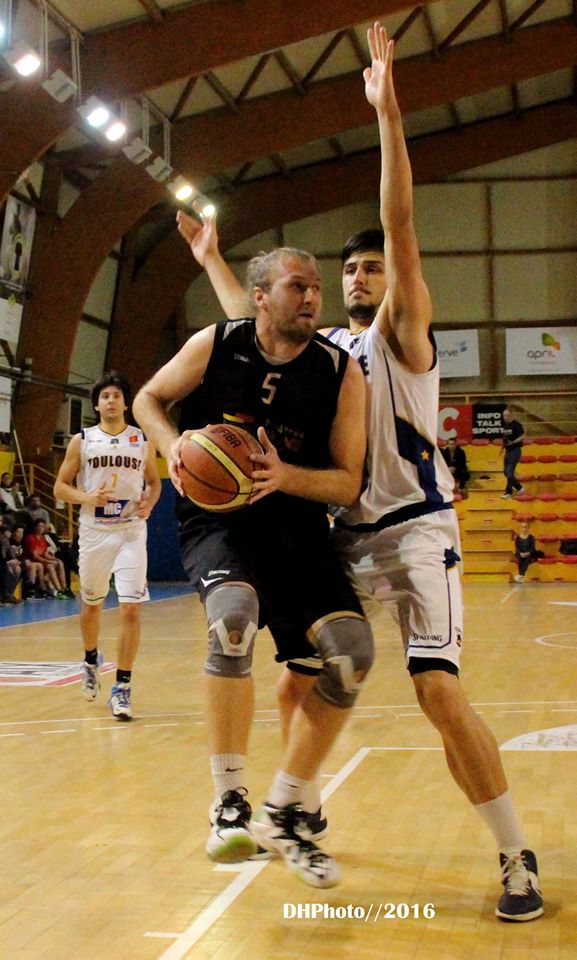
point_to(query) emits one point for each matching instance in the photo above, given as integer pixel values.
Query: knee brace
(231, 611)
(347, 650)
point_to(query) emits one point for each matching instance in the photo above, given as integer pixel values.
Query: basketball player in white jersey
(110, 470)
(400, 542)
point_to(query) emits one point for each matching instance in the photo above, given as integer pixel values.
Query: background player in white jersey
(401, 540)
(110, 470)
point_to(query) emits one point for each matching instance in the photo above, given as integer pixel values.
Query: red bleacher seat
(480, 442)
(542, 440)
(547, 497)
(568, 458)
(525, 497)
(547, 560)
(548, 538)
(568, 559)
(527, 477)
(547, 517)
(568, 496)
(547, 458)
(566, 440)
(546, 477)
(527, 458)
(523, 517)
(569, 517)
(567, 477)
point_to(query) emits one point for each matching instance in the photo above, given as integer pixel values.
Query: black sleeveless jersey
(296, 401)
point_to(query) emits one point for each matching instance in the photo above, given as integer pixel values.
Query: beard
(363, 313)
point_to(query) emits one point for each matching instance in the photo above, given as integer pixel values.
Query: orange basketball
(216, 467)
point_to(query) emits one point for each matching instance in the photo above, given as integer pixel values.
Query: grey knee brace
(346, 647)
(231, 609)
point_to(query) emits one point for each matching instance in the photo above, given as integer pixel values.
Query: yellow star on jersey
(425, 454)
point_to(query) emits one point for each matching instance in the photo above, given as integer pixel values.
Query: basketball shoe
(230, 840)
(521, 899)
(90, 678)
(315, 827)
(280, 829)
(119, 702)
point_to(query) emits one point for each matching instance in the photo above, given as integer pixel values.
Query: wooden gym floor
(103, 824)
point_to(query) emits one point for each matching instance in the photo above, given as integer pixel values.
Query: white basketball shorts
(120, 551)
(415, 567)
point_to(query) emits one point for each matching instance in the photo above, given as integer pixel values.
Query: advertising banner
(455, 421)
(540, 351)
(458, 352)
(487, 421)
(5, 398)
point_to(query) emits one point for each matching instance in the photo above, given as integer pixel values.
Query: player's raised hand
(201, 238)
(269, 470)
(379, 89)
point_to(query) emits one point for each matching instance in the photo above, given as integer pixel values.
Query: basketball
(216, 467)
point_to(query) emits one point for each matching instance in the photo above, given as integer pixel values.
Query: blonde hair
(260, 268)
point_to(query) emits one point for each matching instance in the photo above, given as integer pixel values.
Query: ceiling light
(22, 58)
(94, 112)
(60, 86)
(181, 188)
(203, 207)
(115, 131)
(159, 169)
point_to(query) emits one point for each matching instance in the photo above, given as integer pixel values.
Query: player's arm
(203, 242)
(405, 314)
(339, 484)
(174, 381)
(151, 493)
(65, 487)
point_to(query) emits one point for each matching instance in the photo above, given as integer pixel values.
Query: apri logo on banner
(541, 350)
(458, 352)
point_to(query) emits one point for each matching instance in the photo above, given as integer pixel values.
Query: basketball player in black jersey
(385, 296)
(272, 562)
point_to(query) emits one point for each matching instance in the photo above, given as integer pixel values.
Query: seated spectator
(36, 510)
(64, 552)
(18, 496)
(33, 579)
(6, 492)
(525, 551)
(37, 548)
(11, 573)
(456, 460)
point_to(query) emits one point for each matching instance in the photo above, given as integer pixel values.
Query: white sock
(227, 772)
(286, 789)
(499, 815)
(312, 795)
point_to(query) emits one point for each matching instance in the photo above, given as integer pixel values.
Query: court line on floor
(247, 873)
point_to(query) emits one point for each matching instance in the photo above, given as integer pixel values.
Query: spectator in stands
(18, 496)
(63, 551)
(11, 572)
(513, 434)
(456, 460)
(36, 510)
(6, 492)
(525, 551)
(37, 548)
(33, 579)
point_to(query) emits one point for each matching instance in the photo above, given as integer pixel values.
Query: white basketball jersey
(118, 462)
(406, 474)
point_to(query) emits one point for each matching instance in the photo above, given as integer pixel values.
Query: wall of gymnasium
(499, 247)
